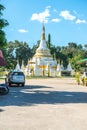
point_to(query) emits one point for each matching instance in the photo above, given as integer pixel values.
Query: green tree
(35, 47)
(16, 51)
(3, 23)
(22, 52)
(49, 41)
(9, 56)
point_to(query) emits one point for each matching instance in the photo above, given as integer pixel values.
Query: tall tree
(3, 23)
(22, 51)
(49, 41)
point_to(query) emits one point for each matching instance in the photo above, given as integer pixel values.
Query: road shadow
(34, 95)
(1, 110)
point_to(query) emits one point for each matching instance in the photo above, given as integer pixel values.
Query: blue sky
(65, 20)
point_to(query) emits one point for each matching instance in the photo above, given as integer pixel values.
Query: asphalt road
(45, 104)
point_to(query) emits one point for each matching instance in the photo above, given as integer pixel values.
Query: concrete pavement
(45, 104)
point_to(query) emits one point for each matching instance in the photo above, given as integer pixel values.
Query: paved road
(45, 104)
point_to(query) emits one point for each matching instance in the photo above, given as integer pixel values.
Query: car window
(18, 73)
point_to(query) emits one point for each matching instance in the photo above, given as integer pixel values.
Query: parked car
(4, 89)
(15, 77)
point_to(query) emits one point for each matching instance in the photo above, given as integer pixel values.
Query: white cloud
(78, 21)
(66, 15)
(43, 16)
(55, 20)
(22, 31)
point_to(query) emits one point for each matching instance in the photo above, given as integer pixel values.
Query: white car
(15, 77)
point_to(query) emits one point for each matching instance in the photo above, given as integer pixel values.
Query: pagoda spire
(42, 50)
(43, 32)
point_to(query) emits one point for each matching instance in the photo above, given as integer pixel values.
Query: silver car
(15, 77)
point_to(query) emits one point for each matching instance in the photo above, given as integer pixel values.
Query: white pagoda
(42, 63)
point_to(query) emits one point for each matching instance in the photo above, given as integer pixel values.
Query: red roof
(2, 62)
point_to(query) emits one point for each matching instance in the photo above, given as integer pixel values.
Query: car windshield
(18, 73)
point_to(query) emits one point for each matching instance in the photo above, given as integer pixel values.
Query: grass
(45, 77)
(2, 78)
(40, 77)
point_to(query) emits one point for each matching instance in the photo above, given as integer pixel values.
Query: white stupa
(42, 59)
(17, 68)
(69, 68)
(22, 66)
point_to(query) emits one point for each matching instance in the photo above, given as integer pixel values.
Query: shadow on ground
(1, 110)
(34, 95)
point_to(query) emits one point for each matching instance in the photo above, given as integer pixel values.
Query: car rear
(16, 78)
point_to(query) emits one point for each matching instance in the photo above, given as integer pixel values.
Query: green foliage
(3, 23)
(16, 51)
(21, 51)
(9, 57)
(49, 41)
(35, 47)
(1, 9)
